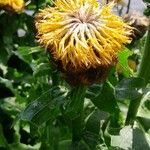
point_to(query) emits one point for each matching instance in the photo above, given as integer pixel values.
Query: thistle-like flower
(12, 5)
(138, 22)
(83, 38)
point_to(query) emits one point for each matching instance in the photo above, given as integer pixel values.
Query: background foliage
(36, 107)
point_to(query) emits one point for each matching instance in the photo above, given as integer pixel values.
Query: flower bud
(139, 24)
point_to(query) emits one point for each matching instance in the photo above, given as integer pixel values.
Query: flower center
(79, 18)
(83, 15)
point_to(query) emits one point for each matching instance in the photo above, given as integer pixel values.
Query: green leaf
(3, 68)
(123, 60)
(147, 10)
(147, 1)
(3, 142)
(130, 138)
(139, 135)
(42, 70)
(78, 146)
(130, 88)
(45, 107)
(65, 144)
(21, 146)
(145, 122)
(26, 50)
(105, 100)
(93, 126)
(124, 140)
(24, 57)
(144, 110)
(7, 83)
(147, 104)
(4, 55)
(6, 88)
(94, 90)
(75, 102)
(50, 137)
(20, 63)
(95, 120)
(11, 106)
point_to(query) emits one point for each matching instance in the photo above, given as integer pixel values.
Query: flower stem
(128, 6)
(77, 99)
(144, 72)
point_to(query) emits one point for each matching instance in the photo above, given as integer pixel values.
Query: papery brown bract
(139, 24)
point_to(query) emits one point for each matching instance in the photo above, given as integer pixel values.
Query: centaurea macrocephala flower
(83, 37)
(12, 5)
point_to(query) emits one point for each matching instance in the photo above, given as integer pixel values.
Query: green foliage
(147, 11)
(129, 139)
(130, 88)
(40, 111)
(147, 1)
(45, 107)
(123, 60)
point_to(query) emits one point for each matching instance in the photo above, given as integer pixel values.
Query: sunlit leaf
(130, 139)
(124, 140)
(123, 60)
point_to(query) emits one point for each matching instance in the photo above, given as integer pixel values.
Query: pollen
(82, 34)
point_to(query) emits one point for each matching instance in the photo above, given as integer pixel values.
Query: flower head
(12, 5)
(81, 34)
(138, 22)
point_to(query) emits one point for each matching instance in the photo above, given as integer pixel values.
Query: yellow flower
(82, 34)
(12, 5)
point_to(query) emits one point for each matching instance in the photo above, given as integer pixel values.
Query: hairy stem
(144, 72)
(77, 98)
